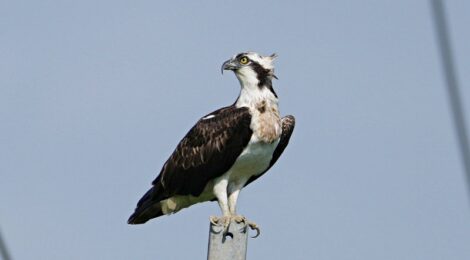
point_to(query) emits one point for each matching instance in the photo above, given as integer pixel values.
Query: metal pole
(452, 85)
(3, 249)
(228, 246)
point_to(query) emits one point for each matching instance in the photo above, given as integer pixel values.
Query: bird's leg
(228, 205)
(220, 191)
(232, 203)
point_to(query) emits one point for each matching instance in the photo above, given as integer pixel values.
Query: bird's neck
(251, 95)
(262, 102)
(253, 92)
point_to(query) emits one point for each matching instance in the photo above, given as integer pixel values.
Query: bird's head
(252, 68)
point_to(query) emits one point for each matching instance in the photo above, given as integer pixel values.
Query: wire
(452, 84)
(3, 249)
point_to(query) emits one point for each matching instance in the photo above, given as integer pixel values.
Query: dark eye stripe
(263, 76)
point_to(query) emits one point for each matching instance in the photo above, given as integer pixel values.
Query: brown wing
(207, 151)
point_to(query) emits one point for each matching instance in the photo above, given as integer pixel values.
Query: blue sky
(95, 95)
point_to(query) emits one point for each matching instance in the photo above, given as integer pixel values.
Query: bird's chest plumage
(256, 157)
(265, 122)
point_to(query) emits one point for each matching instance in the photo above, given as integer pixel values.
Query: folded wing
(207, 151)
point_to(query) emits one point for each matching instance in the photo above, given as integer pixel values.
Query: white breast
(254, 159)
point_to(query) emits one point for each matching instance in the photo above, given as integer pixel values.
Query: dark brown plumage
(207, 151)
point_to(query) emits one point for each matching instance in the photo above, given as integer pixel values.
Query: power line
(458, 113)
(3, 249)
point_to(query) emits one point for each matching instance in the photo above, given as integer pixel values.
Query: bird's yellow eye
(244, 60)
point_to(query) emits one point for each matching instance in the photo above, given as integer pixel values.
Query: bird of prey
(226, 149)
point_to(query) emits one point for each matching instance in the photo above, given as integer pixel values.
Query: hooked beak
(229, 65)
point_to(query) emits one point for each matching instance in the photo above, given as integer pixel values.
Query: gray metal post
(228, 246)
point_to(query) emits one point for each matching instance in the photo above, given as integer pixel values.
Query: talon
(226, 221)
(239, 219)
(214, 220)
(255, 227)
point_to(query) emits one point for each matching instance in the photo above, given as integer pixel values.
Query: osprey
(226, 149)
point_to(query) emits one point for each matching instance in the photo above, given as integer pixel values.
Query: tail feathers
(147, 208)
(142, 215)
